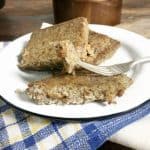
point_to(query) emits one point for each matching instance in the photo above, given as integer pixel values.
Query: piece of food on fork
(78, 89)
(59, 55)
(37, 56)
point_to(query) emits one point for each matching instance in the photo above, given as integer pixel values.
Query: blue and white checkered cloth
(20, 130)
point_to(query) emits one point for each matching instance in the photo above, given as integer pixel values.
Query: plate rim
(76, 118)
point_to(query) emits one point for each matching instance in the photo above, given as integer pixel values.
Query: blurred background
(18, 17)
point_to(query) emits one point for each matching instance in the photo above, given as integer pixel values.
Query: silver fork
(113, 69)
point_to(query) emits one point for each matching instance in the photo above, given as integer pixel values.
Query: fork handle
(141, 60)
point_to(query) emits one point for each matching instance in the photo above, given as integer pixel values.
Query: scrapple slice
(82, 88)
(101, 47)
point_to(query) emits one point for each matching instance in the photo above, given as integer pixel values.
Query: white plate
(132, 46)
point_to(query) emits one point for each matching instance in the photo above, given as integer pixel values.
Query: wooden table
(21, 16)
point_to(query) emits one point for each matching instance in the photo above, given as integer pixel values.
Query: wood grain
(140, 26)
(96, 11)
(22, 16)
(134, 10)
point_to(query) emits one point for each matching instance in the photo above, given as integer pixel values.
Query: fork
(113, 69)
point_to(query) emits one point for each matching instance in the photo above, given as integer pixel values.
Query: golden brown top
(75, 30)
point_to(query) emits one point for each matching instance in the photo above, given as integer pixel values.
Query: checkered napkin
(20, 130)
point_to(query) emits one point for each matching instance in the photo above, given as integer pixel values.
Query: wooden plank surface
(135, 8)
(22, 16)
(140, 26)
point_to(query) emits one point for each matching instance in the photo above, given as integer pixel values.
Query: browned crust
(67, 89)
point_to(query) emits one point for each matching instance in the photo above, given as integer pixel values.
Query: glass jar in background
(96, 11)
